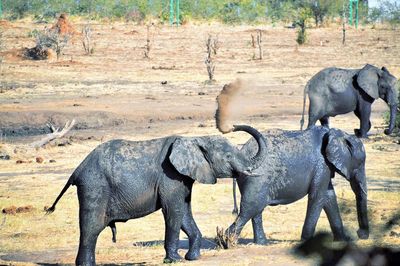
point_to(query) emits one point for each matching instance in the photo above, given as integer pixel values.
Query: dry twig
(56, 133)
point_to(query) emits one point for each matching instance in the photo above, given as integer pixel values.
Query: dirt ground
(117, 93)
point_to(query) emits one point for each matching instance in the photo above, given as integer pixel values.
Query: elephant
(334, 91)
(300, 163)
(121, 180)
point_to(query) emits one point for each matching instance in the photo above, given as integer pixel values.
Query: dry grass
(124, 86)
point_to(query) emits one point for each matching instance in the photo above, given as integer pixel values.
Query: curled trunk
(256, 161)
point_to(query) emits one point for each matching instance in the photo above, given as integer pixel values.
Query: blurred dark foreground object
(346, 253)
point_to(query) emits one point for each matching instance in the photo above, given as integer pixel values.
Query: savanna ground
(117, 93)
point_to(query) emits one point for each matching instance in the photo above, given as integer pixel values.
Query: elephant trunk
(392, 121)
(256, 161)
(359, 187)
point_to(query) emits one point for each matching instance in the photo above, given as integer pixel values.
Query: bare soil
(117, 93)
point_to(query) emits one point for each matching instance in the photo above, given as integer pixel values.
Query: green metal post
(351, 12)
(356, 14)
(171, 12)
(351, 2)
(177, 13)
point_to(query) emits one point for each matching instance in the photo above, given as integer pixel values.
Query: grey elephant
(301, 163)
(334, 91)
(122, 180)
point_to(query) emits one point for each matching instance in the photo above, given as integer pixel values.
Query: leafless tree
(253, 41)
(259, 42)
(344, 24)
(256, 41)
(211, 50)
(87, 39)
(147, 46)
(1, 49)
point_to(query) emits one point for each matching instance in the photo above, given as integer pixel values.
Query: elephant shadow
(206, 243)
(106, 264)
(209, 243)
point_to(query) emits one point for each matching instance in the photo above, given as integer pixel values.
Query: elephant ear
(339, 152)
(367, 79)
(188, 159)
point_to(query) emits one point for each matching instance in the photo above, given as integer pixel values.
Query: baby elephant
(122, 180)
(300, 163)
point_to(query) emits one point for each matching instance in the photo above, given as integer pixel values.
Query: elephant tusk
(249, 173)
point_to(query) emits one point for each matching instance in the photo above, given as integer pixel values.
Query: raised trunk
(258, 159)
(392, 121)
(359, 187)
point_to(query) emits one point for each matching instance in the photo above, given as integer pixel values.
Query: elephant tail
(304, 106)
(69, 183)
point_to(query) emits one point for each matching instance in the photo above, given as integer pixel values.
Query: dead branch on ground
(56, 133)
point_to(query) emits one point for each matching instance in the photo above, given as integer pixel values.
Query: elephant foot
(387, 131)
(362, 233)
(359, 134)
(172, 258)
(192, 255)
(261, 241)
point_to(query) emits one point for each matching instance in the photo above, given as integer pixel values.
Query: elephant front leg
(364, 114)
(332, 212)
(258, 230)
(192, 231)
(316, 200)
(248, 211)
(173, 222)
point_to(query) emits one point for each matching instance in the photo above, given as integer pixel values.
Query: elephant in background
(300, 163)
(334, 91)
(121, 180)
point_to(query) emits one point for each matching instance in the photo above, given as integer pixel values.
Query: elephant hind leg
(258, 230)
(92, 220)
(315, 113)
(325, 121)
(91, 224)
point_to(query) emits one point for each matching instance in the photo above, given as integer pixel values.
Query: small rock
(202, 93)
(52, 161)
(4, 156)
(39, 159)
(10, 210)
(164, 82)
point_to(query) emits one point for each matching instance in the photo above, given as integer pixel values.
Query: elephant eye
(229, 156)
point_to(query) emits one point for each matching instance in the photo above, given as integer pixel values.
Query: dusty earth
(117, 93)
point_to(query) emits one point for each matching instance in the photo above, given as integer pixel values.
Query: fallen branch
(56, 133)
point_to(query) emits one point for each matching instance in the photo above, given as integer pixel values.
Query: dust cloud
(228, 105)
